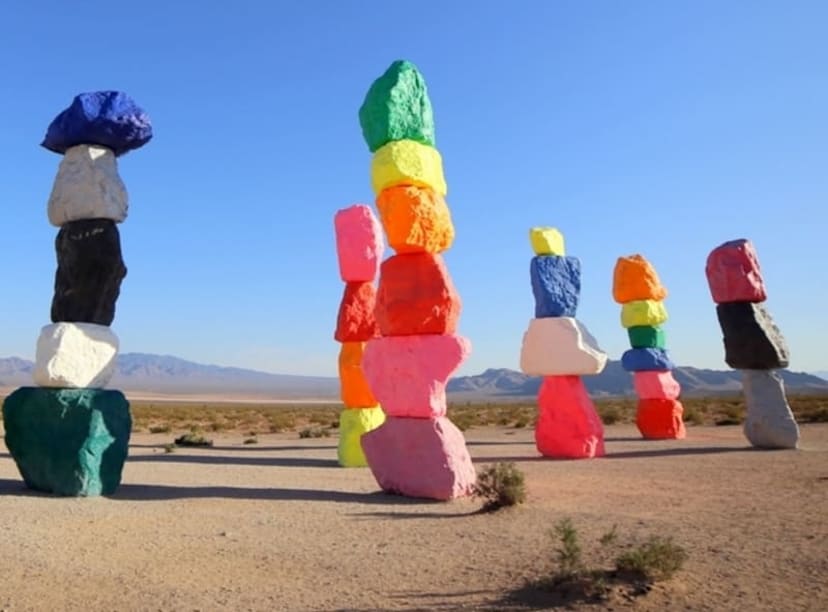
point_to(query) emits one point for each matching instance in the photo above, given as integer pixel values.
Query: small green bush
(156, 429)
(193, 438)
(656, 559)
(314, 432)
(500, 485)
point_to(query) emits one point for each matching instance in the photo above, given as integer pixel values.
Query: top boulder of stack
(108, 119)
(634, 278)
(397, 107)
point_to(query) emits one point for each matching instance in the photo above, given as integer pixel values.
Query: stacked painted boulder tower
(752, 342)
(69, 435)
(359, 250)
(559, 348)
(637, 287)
(418, 451)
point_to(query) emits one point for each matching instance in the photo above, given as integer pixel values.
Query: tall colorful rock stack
(561, 349)
(638, 289)
(753, 343)
(68, 435)
(359, 250)
(418, 451)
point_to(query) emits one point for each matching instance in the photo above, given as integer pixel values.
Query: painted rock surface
(568, 426)
(415, 219)
(733, 273)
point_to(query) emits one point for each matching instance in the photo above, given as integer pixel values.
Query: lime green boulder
(646, 336)
(397, 107)
(70, 442)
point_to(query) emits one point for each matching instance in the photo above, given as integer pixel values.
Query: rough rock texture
(354, 388)
(643, 312)
(547, 241)
(68, 441)
(646, 359)
(655, 384)
(89, 272)
(415, 219)
(752, 340)
(568, 426)
(646, 336)
(733, 273)
(416, 296)
(406, 162)
(420, 458)
(75, 355)
(635, 279)
(88, 186)
(659, 419)
(559, 346)
(556, 285)
(397, 107)
(356, 321)
(359, 245)
(106, 118)
(408, 374)
(769, 422)
(353, 422)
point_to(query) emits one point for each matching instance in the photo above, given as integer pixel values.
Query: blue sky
(660, 128)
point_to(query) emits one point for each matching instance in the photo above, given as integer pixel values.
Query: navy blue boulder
(646, 359)
(106, 118)
(556, 284)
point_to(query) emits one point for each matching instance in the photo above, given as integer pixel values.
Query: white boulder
(560, 346)
(769, 422)
(87, 186)
(79, 355)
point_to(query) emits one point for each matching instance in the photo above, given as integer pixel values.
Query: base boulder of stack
(70, 442)
(420, 458)
(769, 422)
(568, 426)
(660, 419)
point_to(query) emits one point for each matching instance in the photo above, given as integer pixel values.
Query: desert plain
(277, 525)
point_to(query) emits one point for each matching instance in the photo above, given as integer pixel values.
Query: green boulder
(397, 107)
(646, 336)
(69, 442)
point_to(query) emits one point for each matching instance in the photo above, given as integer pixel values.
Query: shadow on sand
(245, 447)
(233, 460)
(632, 454)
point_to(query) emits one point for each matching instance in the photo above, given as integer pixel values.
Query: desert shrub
(193, 438)
(731, 414)
(610, 414)
(656, 559)
(252, 440)
(500, 485)
(169, 448)
(156, 429)
(568, 553)
(693, 416)
(314, 432)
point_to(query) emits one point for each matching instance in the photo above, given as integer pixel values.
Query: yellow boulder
(407, 162)
(547, 241)
(643, 312)
(353, 422)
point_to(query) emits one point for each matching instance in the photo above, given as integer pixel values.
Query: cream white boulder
(87, 186)
(78, 355)
(560, 346)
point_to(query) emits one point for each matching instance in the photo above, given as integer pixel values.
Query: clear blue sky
(661, 128)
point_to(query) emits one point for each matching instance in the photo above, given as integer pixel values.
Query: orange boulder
(660, 419)
(416, 296)
(354, 388)
(356, 321)
(636, 279)
(415, 219)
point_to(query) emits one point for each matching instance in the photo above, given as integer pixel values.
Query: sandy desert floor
(279, 526)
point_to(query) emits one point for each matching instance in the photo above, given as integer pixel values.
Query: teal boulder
(70, 442)
(397, 107)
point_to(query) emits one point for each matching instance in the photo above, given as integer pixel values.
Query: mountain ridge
(167, 374)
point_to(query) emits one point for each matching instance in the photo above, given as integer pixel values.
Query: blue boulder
(556, 283)
(106, 118)
(645, 359)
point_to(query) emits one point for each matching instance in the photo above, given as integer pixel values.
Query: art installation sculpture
(561, 349)
(68, 435)
(638, 289)
(359, 249)
(418, 451)
(752, 342)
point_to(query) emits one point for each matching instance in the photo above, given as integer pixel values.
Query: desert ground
(278, 525)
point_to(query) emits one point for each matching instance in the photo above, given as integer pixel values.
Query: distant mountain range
(167, 375)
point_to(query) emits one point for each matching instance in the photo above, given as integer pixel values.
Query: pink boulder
(420, 458)
(568, 426)
(408, 374)
(733, 273)
(359, 244)
(656, 384)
